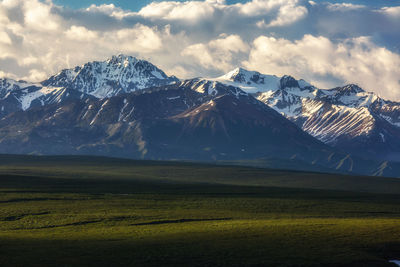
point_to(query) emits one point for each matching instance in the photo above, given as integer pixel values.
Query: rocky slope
(345, 117)
(175, 121)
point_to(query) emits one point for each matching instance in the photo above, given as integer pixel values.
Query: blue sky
(327, 43)
(135, 5)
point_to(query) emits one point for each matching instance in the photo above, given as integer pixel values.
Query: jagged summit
(346, 117)
(250, 81)
(288, 82)
(256, 82)
(121, 58)
(349, 89)
(244, 76)
(118, 74)
(248, 77)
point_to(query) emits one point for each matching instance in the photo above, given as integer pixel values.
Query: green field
(90, 211)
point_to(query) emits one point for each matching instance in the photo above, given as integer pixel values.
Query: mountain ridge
(128, 107)
(346, 117)
(118, 74)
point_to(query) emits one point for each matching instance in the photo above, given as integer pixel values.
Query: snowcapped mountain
(255, 82)
(345, 117)
(249, 81)
(21, 95)
(192, 119)
(9, 85)
(128, 107)
(119, 74)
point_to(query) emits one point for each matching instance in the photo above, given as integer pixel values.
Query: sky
(327, 43)
(136, 5)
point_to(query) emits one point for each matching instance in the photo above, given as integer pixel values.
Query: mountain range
(126, 107)
(347, 117)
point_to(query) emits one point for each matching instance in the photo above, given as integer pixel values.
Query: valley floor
(71, 211)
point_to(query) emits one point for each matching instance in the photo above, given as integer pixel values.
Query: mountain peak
(350, 89)
(288, 82)
(241, 75)
(250, 81)
(122, 58)
(118, 74)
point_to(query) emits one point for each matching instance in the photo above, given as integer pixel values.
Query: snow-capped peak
(118, 74)
(122, 59)
(250, 81)
(350, 95)
(244, 76)
(349, 89)
(9, 85)
(288, 82)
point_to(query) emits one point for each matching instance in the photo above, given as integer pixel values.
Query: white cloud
(391, 11)
(4, 38)
(11, 3)
(135, 40)
(287, 15)
(217, 54)
(80, 33)
(344, 7)
(44, 42)
(4, 74)
(41, 37)
(190, 10)
(109, 9)
(38, 16)
(317, 59)
(282, 12)
(312, 39)
(26, 61)
(36, 75)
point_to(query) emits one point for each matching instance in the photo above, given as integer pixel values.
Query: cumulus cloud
(324, 62)
(195, 10)
(191, 10)
(391, 11)
(323, 42)
(43, 38)
(81, 33)
(109, 9)
(287, 15)
(44, 42)
(38, 16)
(4, 38)
(219, 54)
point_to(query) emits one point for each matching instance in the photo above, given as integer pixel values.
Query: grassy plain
(90, 211)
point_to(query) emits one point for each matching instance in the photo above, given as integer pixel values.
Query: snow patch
(157, 75)
(382, 136)
(175, 97)
(303, 84)
(99, 112)
(249, 81)
(27, 99)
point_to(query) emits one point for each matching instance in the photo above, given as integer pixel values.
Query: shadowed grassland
(67, 211)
